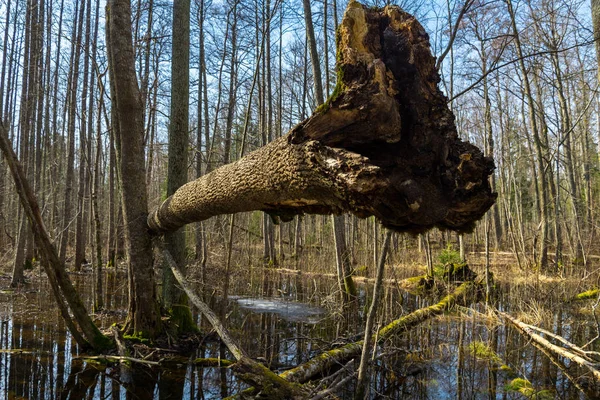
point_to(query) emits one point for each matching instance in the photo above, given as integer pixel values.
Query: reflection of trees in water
(432, 360)
(81, 381)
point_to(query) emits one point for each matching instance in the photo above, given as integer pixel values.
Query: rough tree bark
(144, 317)
(174, 299)
(383, 144)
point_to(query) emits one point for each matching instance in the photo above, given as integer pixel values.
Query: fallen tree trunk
(579, 358)
(319, 365)
(66, 296)
(384, 144)
(248, 370)
(463, 294)
(554, 359)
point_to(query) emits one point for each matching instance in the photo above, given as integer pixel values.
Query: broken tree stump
(383, 144)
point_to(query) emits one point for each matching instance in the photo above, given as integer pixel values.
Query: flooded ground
(283, 320)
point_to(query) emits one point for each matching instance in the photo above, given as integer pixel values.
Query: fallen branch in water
(107, 359)
(163, 363)
(246, 369)
(318, 365)
(464, 293)
(591, 355)
(563, 369)
(581, 359)
(324, 361)
(70, 305)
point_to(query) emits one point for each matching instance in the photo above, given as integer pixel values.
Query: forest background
(520, 77)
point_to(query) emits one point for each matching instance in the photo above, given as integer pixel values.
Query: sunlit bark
(384, 144)
(143, 316)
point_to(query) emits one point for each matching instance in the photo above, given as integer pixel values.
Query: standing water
(284, 320)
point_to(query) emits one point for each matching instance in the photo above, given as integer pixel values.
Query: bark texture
(384, 144)
(144, 316)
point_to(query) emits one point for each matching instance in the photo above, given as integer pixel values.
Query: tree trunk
(342, 256)
(144, 316)
(65, 294)
(26, 121)
(80, 237)
(314, 54)
(539, 148)
(232, 88)
(3, 80)
(596, 27)
(384, 144)
(96, 178)
(72, 111)
(98, 291)
(368, 341)
(112, 215)
(175, 300)
(201, 119)
(339, 221)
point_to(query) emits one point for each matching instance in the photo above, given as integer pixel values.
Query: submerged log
(384, 144)
(324, 362)
(572, 352)
(463, 294)
(248, 370)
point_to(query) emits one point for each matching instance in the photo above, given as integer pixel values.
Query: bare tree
(175, 299)
(339, 222)
(143, 315)
(539, 148)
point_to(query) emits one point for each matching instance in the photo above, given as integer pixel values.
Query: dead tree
(384, 144)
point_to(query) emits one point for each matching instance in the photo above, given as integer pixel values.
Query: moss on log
(463, 294)
(588, 294)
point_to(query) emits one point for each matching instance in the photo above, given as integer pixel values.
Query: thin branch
(463, 11)
(496, 68)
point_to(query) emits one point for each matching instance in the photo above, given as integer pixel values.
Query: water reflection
(290, 311)
(451, 357)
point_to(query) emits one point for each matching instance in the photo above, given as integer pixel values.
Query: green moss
(213, 362)
(361, 270)
(417, 285)
(506, 368)
(138, 338)
(416, 279)
(589, 294)
(272, 386)
(518, 385)
(350, 286)
(525, 387)
(340, 87)
(422, 314)
(482, 351)
(98, 362)
(181, 316)
(544, 395)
